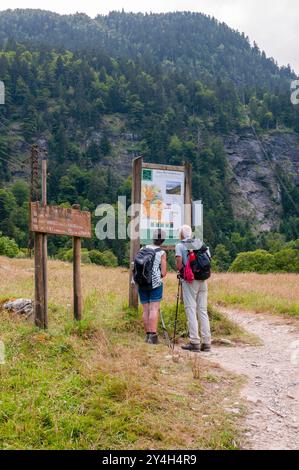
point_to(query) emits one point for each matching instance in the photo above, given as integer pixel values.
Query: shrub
(95, 256)
(105, 258)
(67, 255)
(8, 247)
(23, 253)
(259, 261)
(85, 256)
(294, 245)
(287, 260)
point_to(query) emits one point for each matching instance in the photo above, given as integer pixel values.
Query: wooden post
(187, 202)
(45, 242)
(39, 304)
(188, 195)
(44, 180)
(135, 242)
(40, 253)
(78, 303)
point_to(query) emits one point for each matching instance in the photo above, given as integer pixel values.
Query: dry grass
(275, 293)
(272, 293)
(95, 384)
(17, 280)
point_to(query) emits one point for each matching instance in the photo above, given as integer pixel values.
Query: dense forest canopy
(166, 86)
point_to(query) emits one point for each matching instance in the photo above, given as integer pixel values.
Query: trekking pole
(165, 332)
(177, 311)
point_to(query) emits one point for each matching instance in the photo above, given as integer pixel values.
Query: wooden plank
(188, 195)
(58, 220)
(156, 166)
(135, 243)
(39, 304)
(78, 304)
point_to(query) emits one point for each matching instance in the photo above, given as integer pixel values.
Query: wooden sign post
(56, 220)
(45, 243)
(135, 241)
(40, 316)
(160, 190)
(78, 303)
(77, 290)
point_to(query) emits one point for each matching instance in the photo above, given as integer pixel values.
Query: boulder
(20, 307)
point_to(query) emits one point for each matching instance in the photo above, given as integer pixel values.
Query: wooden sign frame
(46, 220)
(138, 166)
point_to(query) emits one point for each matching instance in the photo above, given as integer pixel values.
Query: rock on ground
(20, 307)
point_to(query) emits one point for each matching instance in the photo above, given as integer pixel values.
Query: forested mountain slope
(172, 87)
(210, 49)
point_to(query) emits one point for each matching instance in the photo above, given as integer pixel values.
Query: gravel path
(272, 388)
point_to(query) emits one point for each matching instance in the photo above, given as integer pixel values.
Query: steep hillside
(170, 87)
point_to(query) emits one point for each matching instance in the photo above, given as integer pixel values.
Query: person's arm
(179, 263)
(163, 266)
(179, 257)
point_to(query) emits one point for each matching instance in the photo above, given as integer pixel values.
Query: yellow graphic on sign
(152, 203)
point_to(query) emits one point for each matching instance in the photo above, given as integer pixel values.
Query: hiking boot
(146, 337)
(153, 338)
(191, 347)
(205, 347)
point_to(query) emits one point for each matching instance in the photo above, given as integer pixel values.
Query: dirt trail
(272, 387)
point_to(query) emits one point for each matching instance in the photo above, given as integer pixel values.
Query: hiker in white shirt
(195, 299)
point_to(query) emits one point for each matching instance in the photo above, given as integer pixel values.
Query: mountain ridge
(116, 26)
(182, 83)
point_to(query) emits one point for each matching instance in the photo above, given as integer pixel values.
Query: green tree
(105, 145)
(221, 258)
(20, 190)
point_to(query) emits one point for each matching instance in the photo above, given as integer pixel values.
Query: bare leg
(145, 317)
(154, 316)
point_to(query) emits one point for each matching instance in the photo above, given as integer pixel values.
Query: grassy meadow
(97, 385)
(260, 293)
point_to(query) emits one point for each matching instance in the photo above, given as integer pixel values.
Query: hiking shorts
(150, 296)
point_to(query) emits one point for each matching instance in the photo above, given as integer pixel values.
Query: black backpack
(201, 266)
(143, 267)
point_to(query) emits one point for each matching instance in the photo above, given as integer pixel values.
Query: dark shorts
(150, 296)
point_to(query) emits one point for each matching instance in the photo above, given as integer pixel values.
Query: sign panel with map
(162, 202)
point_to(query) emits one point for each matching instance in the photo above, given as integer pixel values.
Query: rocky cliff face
(254, 165)
(255, 186)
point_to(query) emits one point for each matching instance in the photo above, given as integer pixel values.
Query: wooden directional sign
(58, 220)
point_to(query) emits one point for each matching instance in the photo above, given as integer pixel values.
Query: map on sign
(58, 220)
(162, 201)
